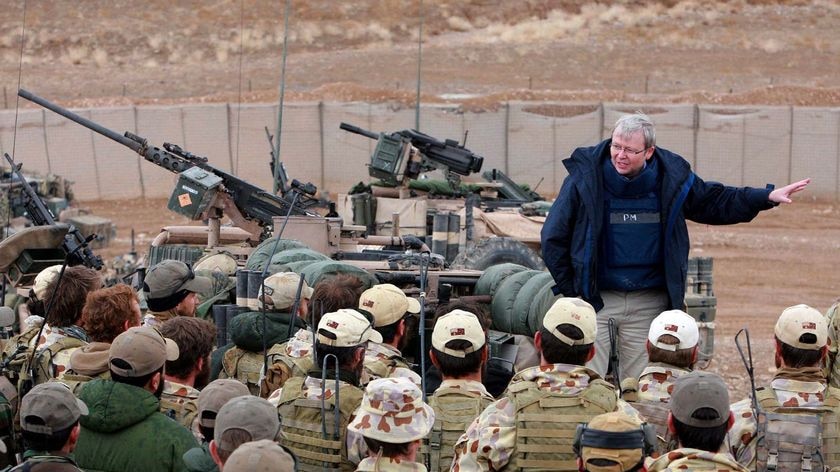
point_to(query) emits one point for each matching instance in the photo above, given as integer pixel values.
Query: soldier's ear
(731, 421)
(671, 428)
(214, 453)
(591, 353)
(434, 359)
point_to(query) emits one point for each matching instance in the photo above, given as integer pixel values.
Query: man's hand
(782, 195)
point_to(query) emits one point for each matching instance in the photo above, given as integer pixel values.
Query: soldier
(244, 359)
(220, 268)
(798, 393)
(832, 364)
(393, 419)
(459, 351)
(303, 403)
(672, 350)
(700, 418)
(211, 399)
(107, 313)
(170, 289)
(49, 419)
(261, 456)
(525, 428)
(294, 357)
(242, 420)
(125, 429)
(613, 442)
(391, 310)
(189, 373)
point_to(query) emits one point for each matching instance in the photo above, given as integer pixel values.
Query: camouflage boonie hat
(616, 437)
(264, 455)
(697, 390)
(214, 396)
(387, 303)
(393, 411)
(50, 407)
(281, 289)
(251, 414)
(573, 311)
(798, 320)
(220, 262)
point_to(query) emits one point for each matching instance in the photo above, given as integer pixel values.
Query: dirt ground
(477, 53)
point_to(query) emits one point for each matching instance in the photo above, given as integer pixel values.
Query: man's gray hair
(628, 125)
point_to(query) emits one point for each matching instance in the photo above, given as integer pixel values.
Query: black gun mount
(393, 162)
(200, 193)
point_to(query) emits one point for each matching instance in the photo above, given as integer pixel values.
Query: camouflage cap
(251, 414)
(219, 262)
(573, 311)
(43, 279)
(167, 283)
(215, 395)
(387, 303)
(50, 407)
(393, 411)
(281, 289)
(458, 324)
(264, 455)
(143, 349)
(678, 324)
(798, 320)
(344, 328)
(616, 437)
(697, 390)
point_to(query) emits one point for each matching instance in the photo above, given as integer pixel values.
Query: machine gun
(75, 244)
(395, 159)
(203, 191)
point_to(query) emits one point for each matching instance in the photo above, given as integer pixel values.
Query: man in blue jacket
(616, 235)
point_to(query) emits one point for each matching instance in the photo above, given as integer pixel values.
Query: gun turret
(248, 206)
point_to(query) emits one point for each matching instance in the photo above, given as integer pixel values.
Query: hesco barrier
(738, 145)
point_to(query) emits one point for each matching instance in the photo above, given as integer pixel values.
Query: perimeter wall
(735, 145)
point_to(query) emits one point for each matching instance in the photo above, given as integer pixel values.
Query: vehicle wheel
(493, 251)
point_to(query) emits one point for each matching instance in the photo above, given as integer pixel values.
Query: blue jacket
(573, 228)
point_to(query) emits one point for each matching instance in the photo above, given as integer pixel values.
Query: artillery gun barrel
(357, 130)
(128, 142)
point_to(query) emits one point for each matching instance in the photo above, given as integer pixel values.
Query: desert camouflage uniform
(385, 361)
(72, 337)
(490, 441)
(180, 402)
(155, 319)
(790, 393)
(686, 459)
(371, 464)
(292, 358)
(657, 382)
(832, 364)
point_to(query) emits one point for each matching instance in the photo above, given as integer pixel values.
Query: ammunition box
(194, 192)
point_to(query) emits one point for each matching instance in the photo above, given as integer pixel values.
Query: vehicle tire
(498, 250)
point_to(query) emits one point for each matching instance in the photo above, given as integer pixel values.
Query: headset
(643, 438)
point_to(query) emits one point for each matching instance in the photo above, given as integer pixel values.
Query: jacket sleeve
(556, 238)
(716, 204)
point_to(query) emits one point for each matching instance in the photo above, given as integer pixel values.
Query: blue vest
(631, 246)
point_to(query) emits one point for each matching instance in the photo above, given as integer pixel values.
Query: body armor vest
(282, 367)
(244, 366)
(546, 422)
(310, 431)
(654, 413)
(455, 409)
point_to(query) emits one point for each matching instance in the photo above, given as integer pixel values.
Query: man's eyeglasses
(627, 150)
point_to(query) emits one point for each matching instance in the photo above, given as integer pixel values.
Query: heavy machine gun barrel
(251, 201)
(356, 130)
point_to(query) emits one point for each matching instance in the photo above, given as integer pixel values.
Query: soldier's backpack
(546, 422)
(455, 409)
(654, 413)
(16, 355)
(77, 381)
(282, 367)
(797, 438)
(302, 425)
(183, 412)
(244, 366)
(45, 369)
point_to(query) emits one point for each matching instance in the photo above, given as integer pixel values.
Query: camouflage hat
(573, 311)
(281, 289)
(458, 324)
(344, 328)
(393, 411)
(698, 390)
(616, 437)
(215, 395)
(43, 279)
(50, 407)
(144, 349)
(387, 303)
(254, 415)
(219, 262)
(799, 320)
(678, 324)
(264, 455)
(167, 283)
